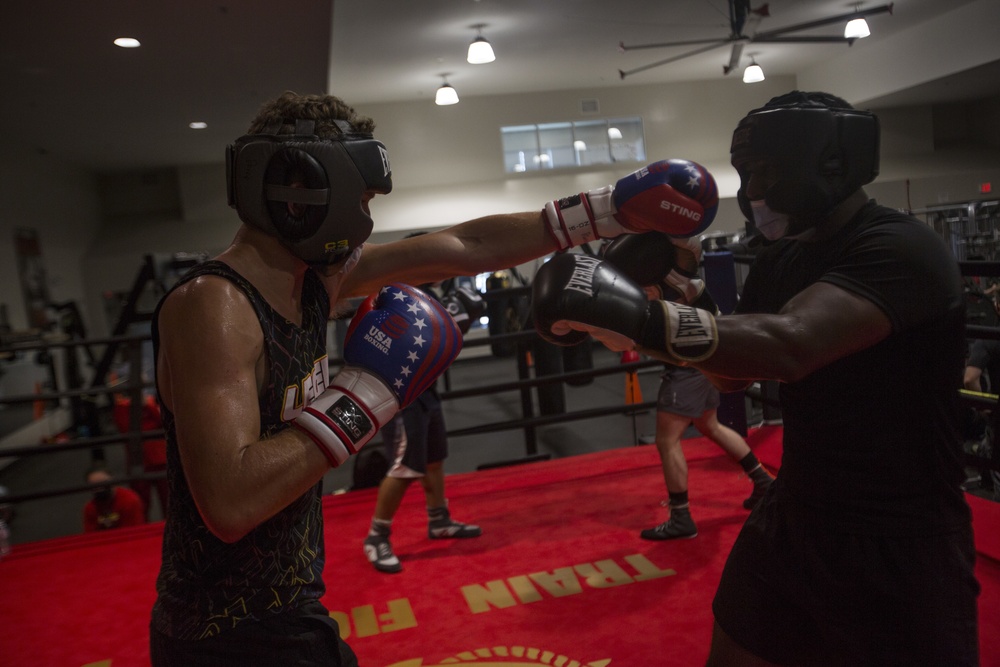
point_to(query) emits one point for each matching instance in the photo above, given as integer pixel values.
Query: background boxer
(668, 269)
(416, 445)
(240, 358)
(861, 552)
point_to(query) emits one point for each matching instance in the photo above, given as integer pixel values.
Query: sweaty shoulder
(206, 296)
(212, 314)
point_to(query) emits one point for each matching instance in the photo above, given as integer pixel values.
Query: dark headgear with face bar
(307, 191)
(820, 149)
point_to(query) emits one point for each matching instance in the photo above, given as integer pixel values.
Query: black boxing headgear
(308, 191)
(820, 149)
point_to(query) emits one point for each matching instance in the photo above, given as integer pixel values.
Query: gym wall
(447, 167)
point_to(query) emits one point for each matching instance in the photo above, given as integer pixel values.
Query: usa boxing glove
(676, 197)
(669, 264)
(576, 295)
(397, 345)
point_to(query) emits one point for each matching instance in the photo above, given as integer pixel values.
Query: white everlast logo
(379, 339)
(691, 330)
(582, 279)
(691, 333)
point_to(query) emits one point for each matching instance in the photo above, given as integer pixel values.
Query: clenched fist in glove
(676, 197)
(465, 305)
(666, 263)
(399, 342)
(575, 295)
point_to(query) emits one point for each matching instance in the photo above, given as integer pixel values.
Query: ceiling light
(480, 51)
(127, 42)
(614, 133)
(857, 29)
(197, 125)
(445, 94)
(753, 73)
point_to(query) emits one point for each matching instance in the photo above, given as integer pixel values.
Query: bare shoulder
(211, 311)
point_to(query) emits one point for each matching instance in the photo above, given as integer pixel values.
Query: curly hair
(323, 109)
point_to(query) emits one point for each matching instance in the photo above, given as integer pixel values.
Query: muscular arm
(819, 325)
(484, 244)
(209, 368)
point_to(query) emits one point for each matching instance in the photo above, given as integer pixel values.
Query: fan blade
(734, 57)
(804, 39)
(738, 10)
(695, 52)
(841, 18)
(622, 47)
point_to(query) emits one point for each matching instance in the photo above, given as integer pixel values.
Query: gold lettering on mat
(573, 580)
(363, 621)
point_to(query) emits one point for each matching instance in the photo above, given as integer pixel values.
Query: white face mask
(771, 224)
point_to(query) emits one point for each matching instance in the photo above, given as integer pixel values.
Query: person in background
(416, 444)
(861, 552)
(154, 450)
(255, 418)
(111, 506)
(668, 269)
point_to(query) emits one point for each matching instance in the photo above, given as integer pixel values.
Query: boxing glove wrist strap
(685, 333)
(348, 414)
(583, 218)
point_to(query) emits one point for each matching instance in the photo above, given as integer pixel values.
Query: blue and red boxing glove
(398, 344)
(676, 197)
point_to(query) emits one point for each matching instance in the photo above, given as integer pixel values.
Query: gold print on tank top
(309, 388)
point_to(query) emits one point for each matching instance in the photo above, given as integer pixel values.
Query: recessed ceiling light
(127, 42)
(198, 125)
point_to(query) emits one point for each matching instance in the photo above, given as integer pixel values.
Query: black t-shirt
(872, 441)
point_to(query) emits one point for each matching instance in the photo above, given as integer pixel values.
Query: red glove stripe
(686, 214)
(366, 307)
(562, 223)
(445, 344)
(585, 200)
(334, 463)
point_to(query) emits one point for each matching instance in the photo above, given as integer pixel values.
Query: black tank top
(206, 586)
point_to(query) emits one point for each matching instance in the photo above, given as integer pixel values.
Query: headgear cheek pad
(819, 155)
(308, 191)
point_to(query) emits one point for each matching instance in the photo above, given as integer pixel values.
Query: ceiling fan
(741, 17)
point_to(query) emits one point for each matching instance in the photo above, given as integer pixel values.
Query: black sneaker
(680, 526)
(442, 526)
(758, 492)
(379, 553)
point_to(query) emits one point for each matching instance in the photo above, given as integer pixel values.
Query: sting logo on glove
(352, 420)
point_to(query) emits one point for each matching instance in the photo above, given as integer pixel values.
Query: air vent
(589, 106)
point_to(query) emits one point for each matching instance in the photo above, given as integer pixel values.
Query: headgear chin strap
(308, 191)
(819, 155)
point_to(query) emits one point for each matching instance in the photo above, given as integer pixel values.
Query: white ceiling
(71, 94)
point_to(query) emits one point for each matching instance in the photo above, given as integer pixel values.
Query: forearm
(261, 479)
(756, 347)
(484, 244)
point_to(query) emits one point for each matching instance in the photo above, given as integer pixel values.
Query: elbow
(227, 534)
(225, 524)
